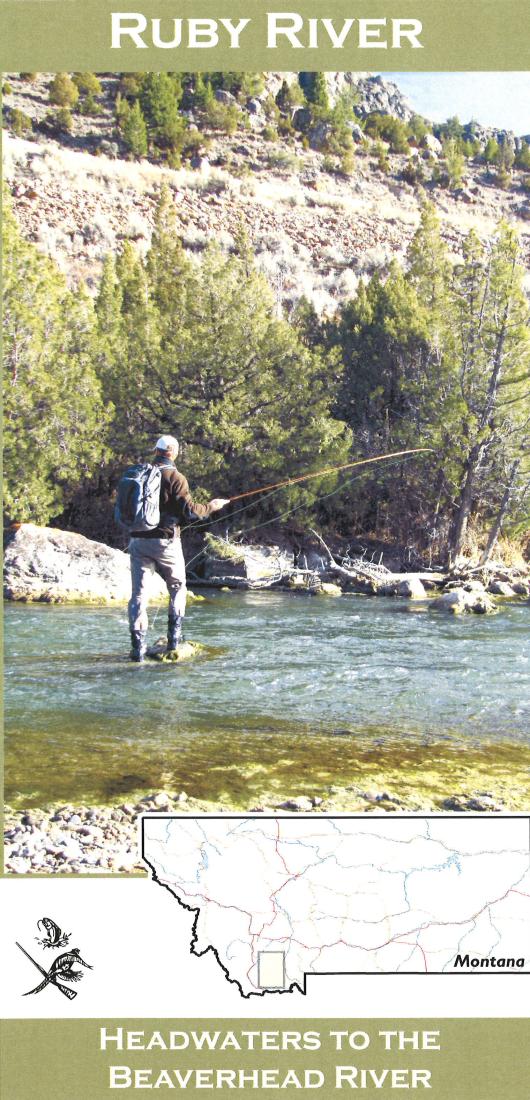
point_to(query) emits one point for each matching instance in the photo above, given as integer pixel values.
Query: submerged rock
(327, 589)
(455, 602)
(186, 651)
(483, 803)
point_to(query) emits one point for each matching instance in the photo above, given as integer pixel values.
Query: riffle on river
(302, 693)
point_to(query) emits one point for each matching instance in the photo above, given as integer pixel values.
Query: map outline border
(322, 817)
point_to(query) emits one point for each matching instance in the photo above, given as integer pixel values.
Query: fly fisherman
(153, 500)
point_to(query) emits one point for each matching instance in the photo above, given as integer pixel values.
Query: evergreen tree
(87, 84)
(196, 349)
(454, 163)
(316, 90)
(167, 266)
(135, 131)
(522, 159)
(452, 128)
(159, 99)
(63, 91)
(290, 96)
(491, 153)
(429, 269)
(54, 418)
(492, 344)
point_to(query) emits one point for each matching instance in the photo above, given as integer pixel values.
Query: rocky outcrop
(376, 93)
(432, 145)
(53, 566)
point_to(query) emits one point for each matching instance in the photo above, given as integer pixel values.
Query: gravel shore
(69, 839)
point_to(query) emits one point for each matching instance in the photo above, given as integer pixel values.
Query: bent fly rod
(330, 470)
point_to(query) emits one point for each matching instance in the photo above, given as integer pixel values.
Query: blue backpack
(137, 505)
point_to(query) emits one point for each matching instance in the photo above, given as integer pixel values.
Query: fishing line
(225, 519)
(305, 503)
(332, 470)
(305, 477)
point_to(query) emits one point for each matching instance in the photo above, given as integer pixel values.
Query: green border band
(62, 1060)
(457, 35)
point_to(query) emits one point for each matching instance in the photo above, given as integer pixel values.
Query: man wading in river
(152, 501)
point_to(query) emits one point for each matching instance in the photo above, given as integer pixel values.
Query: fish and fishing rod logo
(63, 968)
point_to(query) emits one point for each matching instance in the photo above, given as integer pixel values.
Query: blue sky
(495, 99)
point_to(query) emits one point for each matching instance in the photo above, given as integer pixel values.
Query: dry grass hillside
(315, 230)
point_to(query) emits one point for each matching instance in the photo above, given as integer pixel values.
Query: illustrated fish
(54, 936)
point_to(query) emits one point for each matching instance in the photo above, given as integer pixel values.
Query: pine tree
(492, 342)
(167, 266)
(87, 84)
(159, 98)
(522, 159)
(110, 330)
(428, 266)
(135, 131)
(290, 96)
(197, 351)
(63, 91)
(392, 399)
(452, 128)
(54, 418)
(454, 163)
(491, 153)
(316, 90)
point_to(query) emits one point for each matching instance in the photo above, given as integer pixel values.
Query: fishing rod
(282, 515)
(50, 978)
(330, 470)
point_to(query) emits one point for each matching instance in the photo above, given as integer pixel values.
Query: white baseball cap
(167, 443)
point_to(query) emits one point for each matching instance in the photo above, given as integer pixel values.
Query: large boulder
(226, 98)
(236, 566)
(52, 566)
(459, 600)
(319, 134)
(356, 132)
(377, 93)
(501, 588)
(301, 119)
(254, 106)
(433, 146)
(412, 589)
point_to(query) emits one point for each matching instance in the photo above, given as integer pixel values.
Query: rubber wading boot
(174, 632)
(138, 646)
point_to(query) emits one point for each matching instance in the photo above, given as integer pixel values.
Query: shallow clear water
(297, 682)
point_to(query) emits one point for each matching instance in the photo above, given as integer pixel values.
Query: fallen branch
(336, 568)
(366, 572)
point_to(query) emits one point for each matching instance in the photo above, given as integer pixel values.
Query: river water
(299, 693)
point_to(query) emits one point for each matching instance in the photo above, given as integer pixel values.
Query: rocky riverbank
(48, 565)
(81, 839)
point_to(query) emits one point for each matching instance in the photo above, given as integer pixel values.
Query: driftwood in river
(376, 573)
